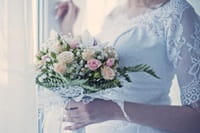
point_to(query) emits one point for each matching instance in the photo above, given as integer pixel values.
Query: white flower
(56, 48)
(88, 53)
(78, 53)
(111, 52)
(66, 57)
(44, 76)
(81, 62)
(99, 57)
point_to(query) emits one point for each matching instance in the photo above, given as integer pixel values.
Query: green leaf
(44, 70)
(66, 47)
(53, 55)
(39, 58)
(139, 68)
(42, 53)
(97, 75)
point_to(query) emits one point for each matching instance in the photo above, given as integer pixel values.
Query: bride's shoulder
(174, 10)
(178, 6)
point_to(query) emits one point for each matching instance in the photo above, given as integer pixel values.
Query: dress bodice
(157, 38)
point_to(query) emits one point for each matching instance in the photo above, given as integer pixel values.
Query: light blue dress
(168, 39)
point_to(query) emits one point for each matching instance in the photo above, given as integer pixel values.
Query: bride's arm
(183, 47)
(178, 119)
(183, 43)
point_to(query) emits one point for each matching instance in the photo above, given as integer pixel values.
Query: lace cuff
(190, 93)
(195, 106)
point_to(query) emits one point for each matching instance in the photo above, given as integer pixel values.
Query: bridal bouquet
(75, 67)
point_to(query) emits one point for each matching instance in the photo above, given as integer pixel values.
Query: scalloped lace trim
(191, 93)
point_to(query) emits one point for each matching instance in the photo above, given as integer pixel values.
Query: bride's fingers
(71, 108)
(75, 115)
(61, 5)
(72, 113)
(61, 9)
(76, 119)
(71, 119)
(73, 105)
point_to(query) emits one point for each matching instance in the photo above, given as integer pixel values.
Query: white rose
(66, 57)
(107, 73)
(56, 48)
(60, 68)
(88, 54)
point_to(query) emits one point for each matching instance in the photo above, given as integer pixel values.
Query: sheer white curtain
(17, 92)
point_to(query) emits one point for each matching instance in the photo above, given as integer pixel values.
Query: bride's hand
(97, 111)
(66, 13)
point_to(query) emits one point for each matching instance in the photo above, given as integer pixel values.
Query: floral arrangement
(68, 61)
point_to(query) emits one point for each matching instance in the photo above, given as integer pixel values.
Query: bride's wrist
(117, 112)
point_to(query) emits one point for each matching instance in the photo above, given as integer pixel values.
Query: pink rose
(93, 64)
(110, 62)
(73, 45)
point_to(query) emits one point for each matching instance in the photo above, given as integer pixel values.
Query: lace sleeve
(183, 47)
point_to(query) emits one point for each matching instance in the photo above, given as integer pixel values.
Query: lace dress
(168, 39)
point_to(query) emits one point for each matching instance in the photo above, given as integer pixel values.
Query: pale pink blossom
(88, 54)
(73, 45)
(60, 68)
(45, 58)
(110, 62)
(107, 73)
(93, 64)
(40, 63)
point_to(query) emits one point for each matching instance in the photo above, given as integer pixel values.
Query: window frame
(41, 28)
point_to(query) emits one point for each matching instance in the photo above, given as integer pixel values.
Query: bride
(164, 34)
